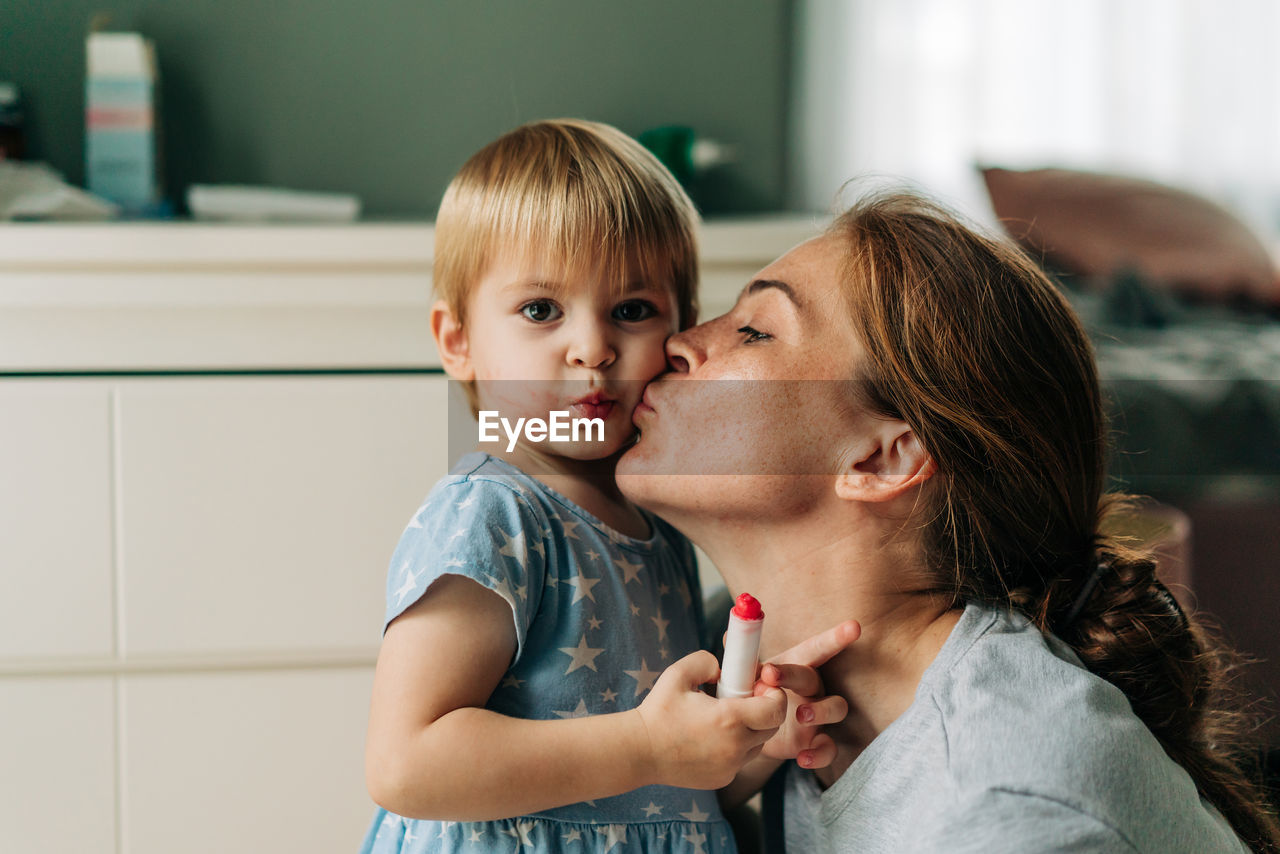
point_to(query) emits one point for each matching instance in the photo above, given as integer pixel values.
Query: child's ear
(451, 341)
(891, 461)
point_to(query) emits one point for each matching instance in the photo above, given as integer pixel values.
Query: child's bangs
(579, 232)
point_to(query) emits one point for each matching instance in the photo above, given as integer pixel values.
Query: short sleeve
(478, 528)
(1000, 821)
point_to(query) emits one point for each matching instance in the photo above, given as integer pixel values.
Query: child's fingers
(696, 669)
(764, 713)
(821, 648)
(798, 678)
(820, 753)
(824, 712)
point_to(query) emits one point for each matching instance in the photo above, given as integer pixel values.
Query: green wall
(387, 98)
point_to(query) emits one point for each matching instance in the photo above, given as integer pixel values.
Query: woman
(906, 429)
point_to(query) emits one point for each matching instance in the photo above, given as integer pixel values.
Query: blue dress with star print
(598, 615)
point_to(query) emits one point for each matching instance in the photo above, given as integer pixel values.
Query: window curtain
(1182, 91)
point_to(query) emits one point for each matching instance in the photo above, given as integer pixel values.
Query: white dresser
(211, 437)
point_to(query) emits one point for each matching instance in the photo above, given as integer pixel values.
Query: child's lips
(594, 405)
(592, 410)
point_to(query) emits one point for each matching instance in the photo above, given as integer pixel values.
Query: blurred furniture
(1182, 303)
(212, 438)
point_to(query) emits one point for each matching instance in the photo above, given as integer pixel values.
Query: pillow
(1098, 225)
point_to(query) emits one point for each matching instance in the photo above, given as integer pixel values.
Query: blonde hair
(575, 193)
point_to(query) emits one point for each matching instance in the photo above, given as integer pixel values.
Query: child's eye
(634, 310)
(540, 310)
(754, 335)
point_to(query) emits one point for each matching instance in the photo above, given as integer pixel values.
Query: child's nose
(590, 347)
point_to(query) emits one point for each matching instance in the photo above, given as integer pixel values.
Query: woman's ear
(451, 341)
(891, 462)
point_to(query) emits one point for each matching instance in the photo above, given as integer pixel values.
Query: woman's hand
(700, 742)
(808, 709)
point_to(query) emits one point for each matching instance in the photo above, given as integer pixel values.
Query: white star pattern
(579, 712)
(410, 584)
(583, 656)
(501, 587)
(521, 832)
(389, 821)
(501, 536)
(614, 834)
(630, 571)
(644, 677)
(582, 588)
(513, 545)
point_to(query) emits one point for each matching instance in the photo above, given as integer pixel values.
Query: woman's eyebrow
(764, 284)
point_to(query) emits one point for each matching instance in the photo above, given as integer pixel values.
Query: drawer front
(268, 761)
(57, 749)
(56, 563)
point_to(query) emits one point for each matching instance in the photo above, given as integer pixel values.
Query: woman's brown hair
(971, 345)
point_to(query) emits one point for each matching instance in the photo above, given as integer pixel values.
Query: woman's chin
(636, 460)
(634, 471)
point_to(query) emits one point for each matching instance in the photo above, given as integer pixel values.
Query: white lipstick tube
(741, 652)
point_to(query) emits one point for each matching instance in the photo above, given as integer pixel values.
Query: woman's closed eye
(634, 310)
(540, 311)
(753, 335)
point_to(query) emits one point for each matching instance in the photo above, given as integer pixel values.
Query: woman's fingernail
(804, 758)
(804, 714)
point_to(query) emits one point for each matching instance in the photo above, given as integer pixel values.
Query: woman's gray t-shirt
(1009, 746)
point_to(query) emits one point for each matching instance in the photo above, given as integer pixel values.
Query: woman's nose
(685, 350)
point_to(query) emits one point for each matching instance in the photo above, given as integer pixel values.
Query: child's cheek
(656, 357)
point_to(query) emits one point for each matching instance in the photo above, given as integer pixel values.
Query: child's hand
(808, 709)
(697, 741)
